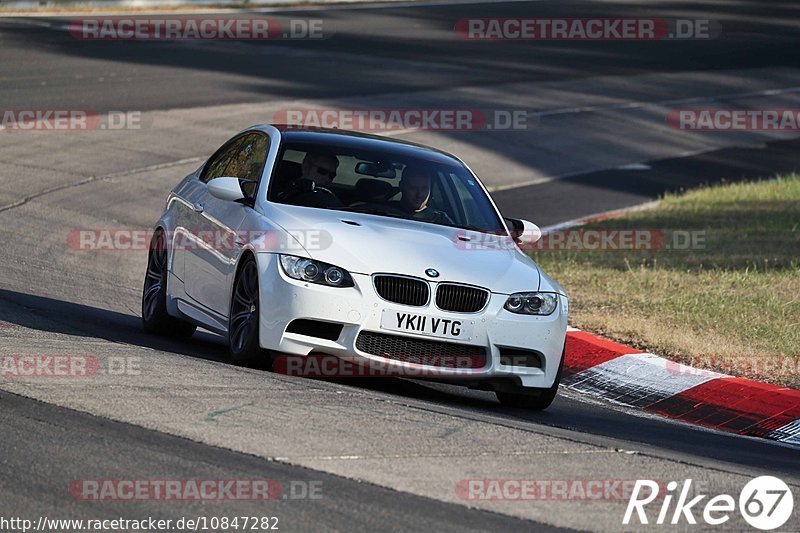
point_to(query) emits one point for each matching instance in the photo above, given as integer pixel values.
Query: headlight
(315, 271)
(532, 303)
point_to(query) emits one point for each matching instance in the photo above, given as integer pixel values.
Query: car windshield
(401, 184)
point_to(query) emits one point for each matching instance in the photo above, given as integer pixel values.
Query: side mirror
(226, 188)
(524, 232)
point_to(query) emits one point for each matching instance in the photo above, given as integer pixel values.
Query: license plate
(431, 326)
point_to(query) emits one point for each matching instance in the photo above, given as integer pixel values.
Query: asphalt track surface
(388, 453)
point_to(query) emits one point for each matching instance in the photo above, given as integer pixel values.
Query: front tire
(243, 324)
(537, 399)
(155, 318)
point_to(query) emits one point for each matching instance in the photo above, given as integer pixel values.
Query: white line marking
(663, 103)
(634, 166)
(588, 218)
(790, 433)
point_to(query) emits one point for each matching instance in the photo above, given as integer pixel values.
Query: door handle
(198, 207)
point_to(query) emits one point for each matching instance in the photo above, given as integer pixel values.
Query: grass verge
(718, 287)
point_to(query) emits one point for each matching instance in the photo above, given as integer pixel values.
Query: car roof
(363, 141)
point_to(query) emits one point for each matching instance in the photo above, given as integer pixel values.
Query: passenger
(415, 190)
(415, 187)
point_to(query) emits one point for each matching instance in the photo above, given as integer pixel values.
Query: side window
(219, 161)
(438, 199)
(450, 201)
(248, 163)
(467, 190)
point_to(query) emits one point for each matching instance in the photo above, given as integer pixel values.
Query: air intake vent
(461, 298)
(520, 357)
(421, 351)
(315, 328)
(402, 290)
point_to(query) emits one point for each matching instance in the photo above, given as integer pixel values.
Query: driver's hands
(321, 197)
(440, 217)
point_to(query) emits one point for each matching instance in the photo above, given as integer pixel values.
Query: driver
(311, 188)
(319, 168)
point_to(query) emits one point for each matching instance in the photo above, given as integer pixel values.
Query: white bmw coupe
(306, 242)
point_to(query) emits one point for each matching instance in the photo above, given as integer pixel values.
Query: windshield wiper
(376, 211)
(369, 211)
(359, 209)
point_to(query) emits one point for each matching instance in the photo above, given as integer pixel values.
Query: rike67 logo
(765, 503)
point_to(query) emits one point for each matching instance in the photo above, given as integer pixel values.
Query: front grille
(420, 351)
(461, 298)
(402, 290)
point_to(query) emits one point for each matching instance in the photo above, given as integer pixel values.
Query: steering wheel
(325, 190)
(316, 197)
(440, 217)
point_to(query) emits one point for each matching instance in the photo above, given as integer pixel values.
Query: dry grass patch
(732, 305)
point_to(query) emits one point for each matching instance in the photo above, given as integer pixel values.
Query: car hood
(366, 244)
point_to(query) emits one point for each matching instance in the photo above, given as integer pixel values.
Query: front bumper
(359, 308)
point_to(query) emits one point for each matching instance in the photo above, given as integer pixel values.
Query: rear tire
(243, 323)
(536, 399)
(155, 318)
